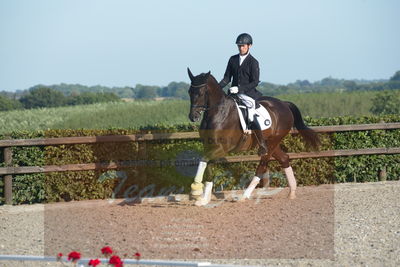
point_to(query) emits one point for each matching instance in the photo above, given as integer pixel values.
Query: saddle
(261, 115)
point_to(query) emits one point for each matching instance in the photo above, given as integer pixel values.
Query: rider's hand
(234, 90)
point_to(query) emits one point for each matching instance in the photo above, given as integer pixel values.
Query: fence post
(142, 155)
(8, 178)
(383, 174)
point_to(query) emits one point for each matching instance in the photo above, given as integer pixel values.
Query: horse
(221, 133)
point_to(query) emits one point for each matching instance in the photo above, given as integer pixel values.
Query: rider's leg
(251, 104)
(260, 138)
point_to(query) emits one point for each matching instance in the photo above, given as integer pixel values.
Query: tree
(350, 85)
(396, 76)
(175, 89)
(8, 104)
(304, 83)
(146, 92)
(91, 98)
(124, 92)
(386, 102)
(43, 97)
(329, 81)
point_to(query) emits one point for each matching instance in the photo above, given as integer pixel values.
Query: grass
(318, 105)
(97, 116)
(168, 112)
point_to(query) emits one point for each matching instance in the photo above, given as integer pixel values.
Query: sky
(152, 42)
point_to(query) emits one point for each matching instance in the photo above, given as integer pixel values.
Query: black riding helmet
(243, 39)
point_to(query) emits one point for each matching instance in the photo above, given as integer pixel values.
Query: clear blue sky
(126, 42)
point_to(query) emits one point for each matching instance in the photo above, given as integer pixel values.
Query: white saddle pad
(264, 119)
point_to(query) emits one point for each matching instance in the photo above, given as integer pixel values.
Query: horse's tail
(310, 136)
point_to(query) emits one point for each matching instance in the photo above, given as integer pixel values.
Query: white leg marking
(251, 187)
(291, 181)
(206, 198)
(200, 172)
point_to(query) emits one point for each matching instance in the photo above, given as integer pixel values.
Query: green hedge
(154, 174)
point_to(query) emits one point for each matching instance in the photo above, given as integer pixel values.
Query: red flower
(137, 256)
(59, 256)
(74, 255)
(94, 262)
(116, 261)
(107, 251)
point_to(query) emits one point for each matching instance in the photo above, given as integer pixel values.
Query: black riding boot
(261, 141)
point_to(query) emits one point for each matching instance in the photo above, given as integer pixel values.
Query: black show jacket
(245, 77)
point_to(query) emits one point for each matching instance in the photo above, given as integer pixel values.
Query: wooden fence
(8, 170)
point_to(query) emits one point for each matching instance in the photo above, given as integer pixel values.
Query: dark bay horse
(221, 132)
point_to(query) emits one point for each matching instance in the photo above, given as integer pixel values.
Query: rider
(245, 71)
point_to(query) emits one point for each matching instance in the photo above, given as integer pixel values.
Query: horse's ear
(208, 73)
(190, 74)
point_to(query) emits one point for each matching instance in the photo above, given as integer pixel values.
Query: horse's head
(198, 95)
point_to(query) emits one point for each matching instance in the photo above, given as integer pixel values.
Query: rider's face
(244, 49)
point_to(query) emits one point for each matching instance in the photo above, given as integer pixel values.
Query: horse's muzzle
(194, 116)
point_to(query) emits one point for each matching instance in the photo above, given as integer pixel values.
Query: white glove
(234, 90)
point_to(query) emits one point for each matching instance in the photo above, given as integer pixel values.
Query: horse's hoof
(200, 202)
(240, 199)
(194, 197)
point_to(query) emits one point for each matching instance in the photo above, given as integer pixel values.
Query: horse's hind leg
(283, 159)
(261, 169)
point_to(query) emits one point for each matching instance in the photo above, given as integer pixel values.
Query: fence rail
(8, 170)
(171, 136)
(160, 163)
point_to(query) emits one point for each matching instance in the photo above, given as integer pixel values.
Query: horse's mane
(215, 82)
(213, 78)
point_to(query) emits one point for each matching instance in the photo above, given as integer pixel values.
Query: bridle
(197, 86)
(203, 107)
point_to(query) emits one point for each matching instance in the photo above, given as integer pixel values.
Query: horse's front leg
(197, 185)
(199, 192)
